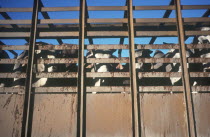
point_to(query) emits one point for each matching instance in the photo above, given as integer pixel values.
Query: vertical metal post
(133, 79)
(28, 83)
(185, 73)
(80, 84)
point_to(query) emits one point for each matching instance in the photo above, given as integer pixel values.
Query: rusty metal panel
(163, 115)
(108, 115)
(202, 113)
(54, 115)
(11, 110)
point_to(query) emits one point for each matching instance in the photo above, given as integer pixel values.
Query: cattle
(102, 67)
(140, 67)
(5, 68)
(160, 67)
(176, 67)
(67, 67)
(37, 68)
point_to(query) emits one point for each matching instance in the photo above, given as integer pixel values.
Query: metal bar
(104, 74)
(133, 78)
(81, 121)
(26, 127)
(105, 60)
(193, 7)
(122, 89)
(106, 8)
(185, 74)
(105, 46)
(99, 34)
(55, 89)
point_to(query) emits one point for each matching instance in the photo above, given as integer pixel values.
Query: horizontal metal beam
(105, 60)
(106, 8)
(110, 20)
(110, 89)
(98, 34)
(105, 46)
(104, 74)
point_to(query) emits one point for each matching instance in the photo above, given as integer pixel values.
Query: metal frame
(120, 28)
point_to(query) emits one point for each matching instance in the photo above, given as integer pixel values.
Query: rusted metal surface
(109, 115)
(202, 114)
(11, 113)
(26, 123)
(13, 61)
(105, 60)
(55, 90)
(133, 77)
(104, 74)
(107, 8)
(54, 115)
(109, 89)
(185, 73)
(161, 88)
(105, 89)
(105, 46)
(81, 119)
(57, 75)
(12, 90)
(12, 75)
(163, 115)
(99, 34)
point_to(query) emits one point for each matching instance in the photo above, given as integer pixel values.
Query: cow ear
(89, 66)
(120, 66)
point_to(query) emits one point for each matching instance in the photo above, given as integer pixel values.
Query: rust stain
(8, 101)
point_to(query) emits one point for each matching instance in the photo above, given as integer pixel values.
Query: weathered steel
(133, 78)
(161, 88)
(108, 74)
(185, 74)
(26, 127)
(11, 114)
(12, 90)
(12, 75)
(162, 115)
(103, 74)
(99, 34)
(201, 102)
(106, 89)
(105, 60)
(104, 46)
(81, 117)
(57, 75)
(107, 8)
(109, 115)
(54, 115)
(55, 90)
(192, 7)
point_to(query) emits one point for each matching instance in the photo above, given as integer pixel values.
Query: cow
(67, 67)
(160, 67)
(5, 68)
(102, 67)
(37, 68)
(140, 67)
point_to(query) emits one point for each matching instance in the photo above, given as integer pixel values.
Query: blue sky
(100, 14)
